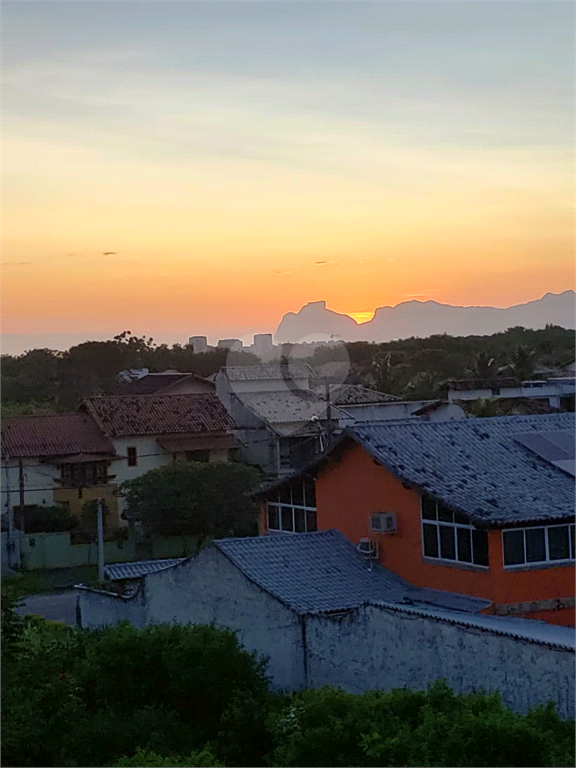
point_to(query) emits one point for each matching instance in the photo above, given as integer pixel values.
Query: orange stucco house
(482, 507)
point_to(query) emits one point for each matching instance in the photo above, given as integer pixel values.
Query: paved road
(57, 606)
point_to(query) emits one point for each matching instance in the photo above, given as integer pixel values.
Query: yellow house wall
(70, 498)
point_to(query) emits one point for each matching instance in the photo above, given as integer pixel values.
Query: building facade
(463, 506)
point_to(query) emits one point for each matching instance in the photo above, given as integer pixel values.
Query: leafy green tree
(195, 499)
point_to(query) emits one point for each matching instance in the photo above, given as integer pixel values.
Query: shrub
(54, 519)
(415, 728)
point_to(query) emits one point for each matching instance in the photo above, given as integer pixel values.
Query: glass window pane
(558, 547)
(445, 514)
(535, 546)
(513, 547)
(464, 539)
(311, 521)
(309, 492)
(460, 518)
(430, 537)
(273, 518)
(479, 547)
(285, 494)
(299, 521)
(286, 518)
(447, 543)
(428, 508)
(572, 549)
(298, 493)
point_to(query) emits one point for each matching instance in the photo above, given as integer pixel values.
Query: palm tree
(522, 363)
(483, 367)
(422, 386)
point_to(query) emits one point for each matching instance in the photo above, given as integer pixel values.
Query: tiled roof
(323, 571)
(63, 434)
(153, 382)
(258, 372)
(116, 571)
(159, 414)
(351, 394)
(540, 632)
(476, 466)
(287, 407)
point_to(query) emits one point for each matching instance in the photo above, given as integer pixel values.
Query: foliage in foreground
(191, 696)
(417, 728)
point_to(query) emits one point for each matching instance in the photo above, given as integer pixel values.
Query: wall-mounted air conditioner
(383, 522)
(368, 548)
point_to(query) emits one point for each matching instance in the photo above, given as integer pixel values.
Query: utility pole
(100, 540)
(21, 486)
(10, 546)
(328, 412)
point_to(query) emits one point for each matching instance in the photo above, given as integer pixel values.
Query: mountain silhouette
(425, 318)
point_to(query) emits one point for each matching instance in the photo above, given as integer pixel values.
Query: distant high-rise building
(198, 344)
(235, 345)
(263, 346)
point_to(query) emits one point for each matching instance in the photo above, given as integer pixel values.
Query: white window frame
(453, 525)
(281, 506)
(548, 560)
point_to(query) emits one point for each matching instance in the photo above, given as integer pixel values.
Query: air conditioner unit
(368, 548)
(383, 522)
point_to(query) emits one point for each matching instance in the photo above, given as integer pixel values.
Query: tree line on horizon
(48, 381)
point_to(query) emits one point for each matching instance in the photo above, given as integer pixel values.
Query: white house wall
(378, 648)
(38, 482)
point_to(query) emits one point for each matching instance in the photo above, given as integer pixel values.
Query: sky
(184, 168)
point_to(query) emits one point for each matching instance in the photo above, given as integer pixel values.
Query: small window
(132, 456)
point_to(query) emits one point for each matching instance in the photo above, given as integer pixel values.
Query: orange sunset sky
(184, 168)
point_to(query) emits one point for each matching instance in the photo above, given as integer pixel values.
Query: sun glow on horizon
(361, 317)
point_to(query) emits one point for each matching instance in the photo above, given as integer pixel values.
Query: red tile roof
(56, 435)
(159, 414)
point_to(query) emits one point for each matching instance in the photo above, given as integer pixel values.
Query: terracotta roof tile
(55, 435)
(159, 414)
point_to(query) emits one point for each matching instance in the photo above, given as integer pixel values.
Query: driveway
(57, 606)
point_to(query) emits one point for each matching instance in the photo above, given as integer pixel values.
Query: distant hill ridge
(426, 318)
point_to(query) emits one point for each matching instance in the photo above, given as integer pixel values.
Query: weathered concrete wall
(208, 589)
(378, 648)
(100, 609)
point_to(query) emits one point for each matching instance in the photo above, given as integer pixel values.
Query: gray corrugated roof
(533, 631)
(287, 407)
(116, 571)
(476, 465)
(323, 571)
(258, 372)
